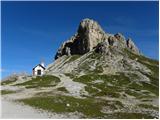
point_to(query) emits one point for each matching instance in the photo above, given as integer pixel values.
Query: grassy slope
(43, 81)
(4, 92)
(63, 89)
(114, 85)
(7, 82)
(153, 65)
(89, 107)
(108, 85)
(59, 104)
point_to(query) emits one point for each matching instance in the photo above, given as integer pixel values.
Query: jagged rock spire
(88, 36)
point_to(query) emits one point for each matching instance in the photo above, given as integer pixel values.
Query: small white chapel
(38, 70)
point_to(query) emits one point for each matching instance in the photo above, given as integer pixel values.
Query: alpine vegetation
(95, 74)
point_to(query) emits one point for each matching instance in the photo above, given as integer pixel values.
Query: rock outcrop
(88, 36)
(102, 47)
(132, 46)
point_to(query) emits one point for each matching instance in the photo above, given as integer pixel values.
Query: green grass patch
(117, 80)
(136, 86)
(135, 89)
(147, 106)
(153, 65)
(111, 85)
(58, 104)
(154, 69)
(7, 82)
(141, 58)
(73, 58)
(70, 75)
(133, 93)
(41, 81)
(151, 88)
(4, 92)
(63, 89)
(89, 107)
(108, 93)
(99, 69)
(92, 90)
(85, 66)
(94, 55)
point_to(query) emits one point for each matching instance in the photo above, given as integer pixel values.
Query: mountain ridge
(94, 75)
(88, 35)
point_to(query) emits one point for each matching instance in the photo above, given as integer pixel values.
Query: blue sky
(32, 31)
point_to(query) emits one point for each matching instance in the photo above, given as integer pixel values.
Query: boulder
(120, 37)
(121, 40)
(102, 47)
(112, 41)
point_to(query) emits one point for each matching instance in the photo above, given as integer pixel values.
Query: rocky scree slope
(112, 68)
(94, 75)
(91, 42)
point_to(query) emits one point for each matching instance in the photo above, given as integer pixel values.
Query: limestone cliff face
(88, 36)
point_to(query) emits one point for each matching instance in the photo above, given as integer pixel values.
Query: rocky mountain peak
(88, 36)
(97, 75)
(89, 25)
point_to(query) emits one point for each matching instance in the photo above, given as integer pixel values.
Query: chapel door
(38, 72)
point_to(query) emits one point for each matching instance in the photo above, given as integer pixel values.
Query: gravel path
(11, 109)
(74, 88)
